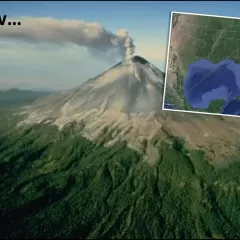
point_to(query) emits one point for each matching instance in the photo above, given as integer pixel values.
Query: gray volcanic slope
(127, 87)
(126, 100)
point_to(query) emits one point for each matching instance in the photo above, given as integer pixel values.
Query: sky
(48, 51)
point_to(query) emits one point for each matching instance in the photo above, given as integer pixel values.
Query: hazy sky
(59, 56)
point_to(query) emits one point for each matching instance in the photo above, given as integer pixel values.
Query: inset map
(203, 69)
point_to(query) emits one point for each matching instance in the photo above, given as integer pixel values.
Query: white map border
(166, 68)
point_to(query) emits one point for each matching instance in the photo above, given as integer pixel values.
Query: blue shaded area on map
(168, 105)
(207, 81)
(232, 108)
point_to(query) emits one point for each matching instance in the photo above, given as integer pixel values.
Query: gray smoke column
(128, 43)
(86, 34)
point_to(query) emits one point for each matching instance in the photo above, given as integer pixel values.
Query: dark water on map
(206, 81)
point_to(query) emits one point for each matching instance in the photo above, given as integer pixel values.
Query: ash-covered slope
(134, 87)
(125, 99)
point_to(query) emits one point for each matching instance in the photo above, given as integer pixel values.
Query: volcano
(125, 104)
(131, 88)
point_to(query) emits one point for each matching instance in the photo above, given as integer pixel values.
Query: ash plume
(128, 43)
(91, 35)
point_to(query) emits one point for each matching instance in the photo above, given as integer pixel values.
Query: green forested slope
(56, 184)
